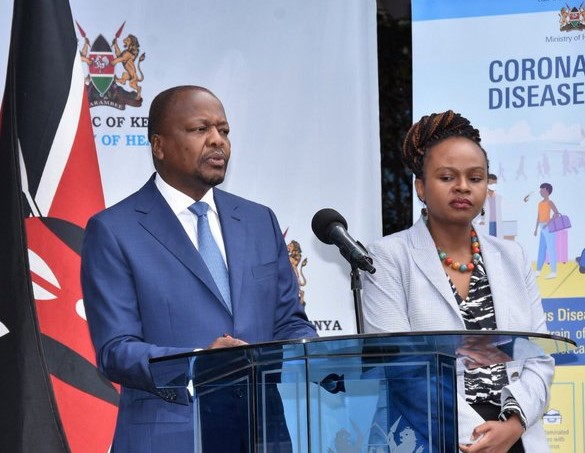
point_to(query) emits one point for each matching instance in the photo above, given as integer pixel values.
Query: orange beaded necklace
(475, 251)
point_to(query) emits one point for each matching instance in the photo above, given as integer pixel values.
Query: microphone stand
(356, 288)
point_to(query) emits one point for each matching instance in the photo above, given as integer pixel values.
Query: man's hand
(494, 436)
(226, 341)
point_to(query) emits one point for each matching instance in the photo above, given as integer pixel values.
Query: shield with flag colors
(101, 69)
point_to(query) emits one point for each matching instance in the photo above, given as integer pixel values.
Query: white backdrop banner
(299, 84)
(516, 69)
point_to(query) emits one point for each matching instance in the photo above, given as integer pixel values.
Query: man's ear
(156, 146)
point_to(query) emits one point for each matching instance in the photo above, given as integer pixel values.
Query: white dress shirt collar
(177, 200)
(179, 203)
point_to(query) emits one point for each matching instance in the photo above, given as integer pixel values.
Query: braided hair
(429, 131)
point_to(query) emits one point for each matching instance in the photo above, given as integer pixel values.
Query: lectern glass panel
(362, 393)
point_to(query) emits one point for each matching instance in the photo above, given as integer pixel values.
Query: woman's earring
(482, 211)
(424, 211)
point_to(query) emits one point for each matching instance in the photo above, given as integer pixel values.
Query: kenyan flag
(52, 397)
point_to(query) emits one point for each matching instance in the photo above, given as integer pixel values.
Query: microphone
(331, 228)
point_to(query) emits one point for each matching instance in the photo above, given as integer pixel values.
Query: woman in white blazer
(443, 274)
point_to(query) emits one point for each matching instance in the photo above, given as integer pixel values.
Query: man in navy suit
(148, 291)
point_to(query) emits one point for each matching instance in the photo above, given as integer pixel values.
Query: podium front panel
(283, 400)
(366, 393)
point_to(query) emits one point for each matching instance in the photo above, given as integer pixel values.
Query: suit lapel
(234, 239)
(160, 221)
(424, 254)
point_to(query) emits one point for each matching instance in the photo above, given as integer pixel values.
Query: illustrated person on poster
(520, 170)
(493, 207)
(547, 242)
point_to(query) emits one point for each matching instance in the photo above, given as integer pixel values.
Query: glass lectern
(349, 394)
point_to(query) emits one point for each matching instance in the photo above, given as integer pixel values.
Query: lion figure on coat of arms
(132, 73)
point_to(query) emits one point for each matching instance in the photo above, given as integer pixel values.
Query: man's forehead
(196, 100)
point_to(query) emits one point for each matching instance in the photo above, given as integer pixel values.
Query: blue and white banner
(516, 69)
(299, 84)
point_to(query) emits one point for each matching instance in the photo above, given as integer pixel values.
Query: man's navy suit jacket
(148, 293)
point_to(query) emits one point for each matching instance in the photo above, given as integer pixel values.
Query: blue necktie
(210, 252)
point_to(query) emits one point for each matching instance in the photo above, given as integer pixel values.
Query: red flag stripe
(81, 178)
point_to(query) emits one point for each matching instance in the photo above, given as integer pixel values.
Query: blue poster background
(516, 69)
